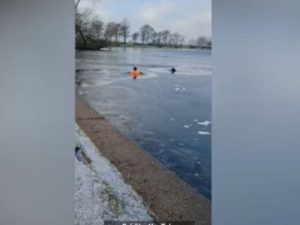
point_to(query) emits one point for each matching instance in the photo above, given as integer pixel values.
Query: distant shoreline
(100, 48)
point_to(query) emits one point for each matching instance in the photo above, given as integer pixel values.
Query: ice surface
(204, 123)
(203, 133)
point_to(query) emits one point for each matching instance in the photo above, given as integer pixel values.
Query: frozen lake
(167, 114)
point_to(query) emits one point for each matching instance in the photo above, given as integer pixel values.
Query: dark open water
(168, 115)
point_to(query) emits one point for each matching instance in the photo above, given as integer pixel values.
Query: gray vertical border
(256, 112)
(37, 112)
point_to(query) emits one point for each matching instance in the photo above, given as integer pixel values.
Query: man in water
(135, 73)
(173, 70)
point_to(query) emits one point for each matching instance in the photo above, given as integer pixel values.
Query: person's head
(134, 68)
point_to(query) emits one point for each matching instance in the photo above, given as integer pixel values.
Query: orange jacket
(135, 73)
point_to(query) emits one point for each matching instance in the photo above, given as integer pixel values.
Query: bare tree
(209, 43)
(117, 31)
(93, 32)
(125, 30)
(81, 23)
(171, 41)
(146, 32)
(153, 38)
(81, 26)
(181, 40)
(165, 36)
(201, 42)
(135, 37)
(177, 39)
(89, 31)
(77, 3)
(159, 38)
(97, 27)
(109, 31)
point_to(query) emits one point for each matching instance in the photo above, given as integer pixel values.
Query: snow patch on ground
(100, 191)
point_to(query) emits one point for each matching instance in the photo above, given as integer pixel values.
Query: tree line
(95, 34)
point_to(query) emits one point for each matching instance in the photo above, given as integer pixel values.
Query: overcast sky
(192, 18)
